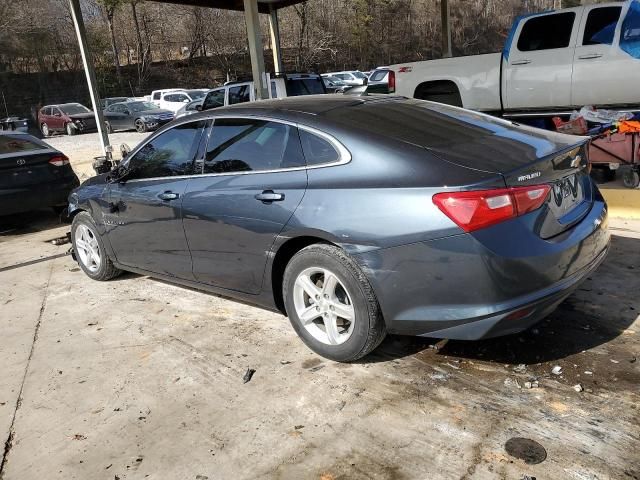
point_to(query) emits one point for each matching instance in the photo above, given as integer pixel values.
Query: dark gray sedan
(136, 115)
(354, 216)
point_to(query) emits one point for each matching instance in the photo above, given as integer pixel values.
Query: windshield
(305, 86)
(378, 75)
(196, 94)
(358, 74)
(335, 80)
(74, 109)
(141, 106)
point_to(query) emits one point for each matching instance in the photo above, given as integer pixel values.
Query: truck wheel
(631, 178)
(443, 91)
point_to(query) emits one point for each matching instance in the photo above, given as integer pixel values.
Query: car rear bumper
(469, 287)
(33, 197)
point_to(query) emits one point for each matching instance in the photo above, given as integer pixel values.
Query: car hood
(158, 111)
(81, 116)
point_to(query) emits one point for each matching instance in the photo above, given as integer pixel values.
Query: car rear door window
(239, 94)
(170, 154)
(378, 75)
(317, 150)
(252, 145)
(601, 26)
(546, 32)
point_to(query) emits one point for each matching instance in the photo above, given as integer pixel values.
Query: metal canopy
(264, 6)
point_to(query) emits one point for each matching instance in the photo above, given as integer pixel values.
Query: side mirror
(118, 174)
(199, 108)
(127, 112)
(186, 100)
(124, 150)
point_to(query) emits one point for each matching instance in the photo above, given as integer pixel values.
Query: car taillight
(392, 81)
(477, 209)
(59, 160)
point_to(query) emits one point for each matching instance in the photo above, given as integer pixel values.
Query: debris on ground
(316, 368)
(532, 384)
(530, 451)
(614, 361)
(557, 370)
(285, 362)
(578, 388)
(511, 382)
(248, 374)
(61, 240)
(520, 368)
(588, 372)
(79, 436)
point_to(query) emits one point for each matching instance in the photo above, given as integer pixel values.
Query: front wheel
(331, 304)
(71, 129)
(89, 249)
(141, 127)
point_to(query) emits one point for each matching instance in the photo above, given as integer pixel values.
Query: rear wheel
(141, 127)
(443, 91)
(89, 249)
(631, 178)
(331, 304)
(107, 126)
(44, 128)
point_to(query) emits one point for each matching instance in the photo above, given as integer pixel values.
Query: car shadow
(30, 222)
(603, 307)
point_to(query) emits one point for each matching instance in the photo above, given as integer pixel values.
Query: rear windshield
(18, 143)
(378, 75)
(74, 109)
(304, 86)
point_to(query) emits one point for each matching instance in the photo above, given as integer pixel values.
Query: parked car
(33, 175)
(335, 85)
(281, 86)
(379, 78)
(105, 102)
(141, 116)
(19, 124)
(174, 99)
(552, 62)
(437, 221)
(71, 118)
(190, 108)
(353, 77)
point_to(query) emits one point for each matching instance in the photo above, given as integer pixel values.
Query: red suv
(71, 118)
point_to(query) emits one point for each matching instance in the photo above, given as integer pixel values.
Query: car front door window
(170, 154)
(239, 94)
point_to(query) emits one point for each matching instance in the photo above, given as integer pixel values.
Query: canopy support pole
(78, 23)
(445, 16)
(255, 49)
(274, 29)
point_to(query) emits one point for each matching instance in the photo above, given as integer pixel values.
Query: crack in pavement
(9, 442)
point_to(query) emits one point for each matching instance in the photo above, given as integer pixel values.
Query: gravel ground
(81, 149)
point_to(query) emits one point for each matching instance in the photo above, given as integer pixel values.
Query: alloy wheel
(45, 129)
(324, 306)
(87, 247)
(140, 127)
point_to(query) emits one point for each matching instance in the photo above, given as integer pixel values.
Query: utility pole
(78, 23)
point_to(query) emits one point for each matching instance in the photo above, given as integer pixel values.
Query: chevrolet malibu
(354, 216)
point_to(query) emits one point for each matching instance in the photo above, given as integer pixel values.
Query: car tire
(314, 305)
(631, 178)
(141, 127)
(44, 128)
(108, 127)
(92, 256)
(70, 129)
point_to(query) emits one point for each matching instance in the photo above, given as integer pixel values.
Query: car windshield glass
(18, 143)
(335, 80)
(195, 94)
(141, 106)
(74, 109)
(358, 74)
(305, 86)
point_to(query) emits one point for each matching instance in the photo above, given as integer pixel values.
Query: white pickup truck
(551, 63)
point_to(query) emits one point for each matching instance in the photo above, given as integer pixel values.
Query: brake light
(477, 209)
(392, 81)
(59, 160)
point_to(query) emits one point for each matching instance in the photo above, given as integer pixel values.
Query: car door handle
(589, 56)
(520, 62)
(168, 196)
(269, 196)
